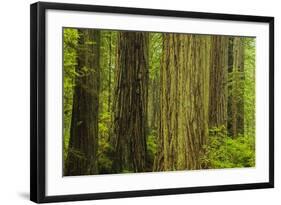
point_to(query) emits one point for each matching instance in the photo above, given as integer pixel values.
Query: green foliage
(105, 154)
(155, 46)
(249, 92)
(69, 62)
(151, 148)
(105, 151)
(223, 151)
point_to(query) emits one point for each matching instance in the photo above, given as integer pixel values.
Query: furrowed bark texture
(83, 144)
(184, 80)
(130, 107)
(218, 82)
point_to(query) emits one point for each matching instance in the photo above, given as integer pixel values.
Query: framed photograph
(129, 102)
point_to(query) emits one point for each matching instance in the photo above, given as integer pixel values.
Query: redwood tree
(236, 88)
(130, 106)
(218, 82)
(83, 143)
(183, 123)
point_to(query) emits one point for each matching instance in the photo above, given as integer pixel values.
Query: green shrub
(223, 151)
(151, 148)
(105, 150)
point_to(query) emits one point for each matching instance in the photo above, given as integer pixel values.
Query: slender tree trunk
(218, 82)
(236, 97)
(154, 102)
(230, 86)
(183, 123)
(109, 73)
(130, 109)
(82, 151)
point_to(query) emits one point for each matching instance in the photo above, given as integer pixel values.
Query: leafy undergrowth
(223, 151)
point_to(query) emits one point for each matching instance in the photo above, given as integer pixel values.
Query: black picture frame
(38, 101)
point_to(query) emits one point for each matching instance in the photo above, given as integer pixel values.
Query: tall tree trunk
(236, 96)
(218, 82)
(155, 102)
(109, 73)
(183, 123)
(82, 151)
(130, 109)
(230, 86)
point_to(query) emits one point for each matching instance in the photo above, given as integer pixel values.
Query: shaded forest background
(143, 101)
